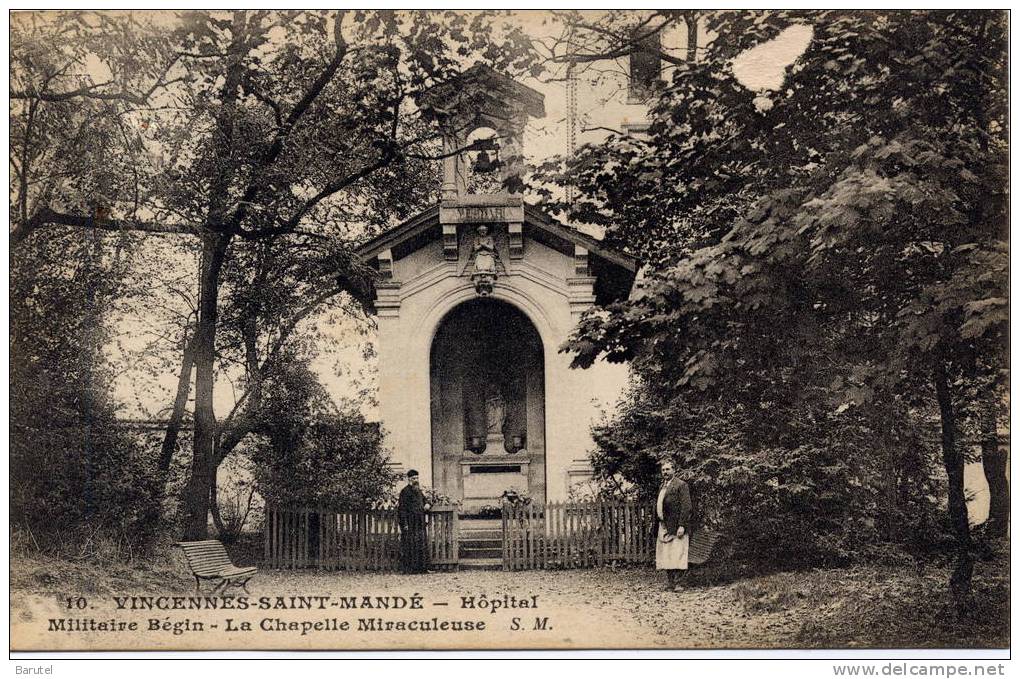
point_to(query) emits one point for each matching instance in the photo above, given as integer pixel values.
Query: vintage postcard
(559, 329)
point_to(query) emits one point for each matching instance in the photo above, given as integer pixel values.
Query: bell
(484, 163)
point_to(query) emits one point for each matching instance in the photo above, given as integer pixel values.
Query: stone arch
(426, 326)
(483, 353)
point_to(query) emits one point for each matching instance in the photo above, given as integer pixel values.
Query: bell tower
(482, 117)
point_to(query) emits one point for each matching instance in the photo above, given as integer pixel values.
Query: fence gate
(362, 540)
(576, 535)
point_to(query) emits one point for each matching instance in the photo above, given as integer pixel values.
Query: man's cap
(412, 472)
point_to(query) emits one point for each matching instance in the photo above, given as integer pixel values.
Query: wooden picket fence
(362, 540)
(576, 535)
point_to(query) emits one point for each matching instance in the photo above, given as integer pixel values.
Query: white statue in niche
(484, 251)
(495, 412)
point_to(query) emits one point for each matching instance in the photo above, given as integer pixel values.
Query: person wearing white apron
(673, 511)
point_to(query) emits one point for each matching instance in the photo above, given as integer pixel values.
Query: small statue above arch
(484, 261)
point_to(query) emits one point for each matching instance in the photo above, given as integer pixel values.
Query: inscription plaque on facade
(473, 214)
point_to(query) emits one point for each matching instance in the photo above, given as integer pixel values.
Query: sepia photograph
(510, 330)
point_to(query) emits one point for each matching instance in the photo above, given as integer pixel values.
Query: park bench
(208, 560)
(702, 543)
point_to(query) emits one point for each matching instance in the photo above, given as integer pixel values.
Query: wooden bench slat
(208, 560)
(205, 552)
(199, 552)
(702, 544)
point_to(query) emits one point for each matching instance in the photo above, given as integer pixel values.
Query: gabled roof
(541, 223)
(491, 81)
(614, 271)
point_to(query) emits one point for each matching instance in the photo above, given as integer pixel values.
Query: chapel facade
(474, 298)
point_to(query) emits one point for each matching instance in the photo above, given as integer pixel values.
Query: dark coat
(414, 541)
(676, 506)
(411, 508)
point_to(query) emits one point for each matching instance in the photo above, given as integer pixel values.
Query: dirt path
(575, 609)
(599, 608)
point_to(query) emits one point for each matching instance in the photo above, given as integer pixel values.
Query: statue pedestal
(495, 444)
(486, 477)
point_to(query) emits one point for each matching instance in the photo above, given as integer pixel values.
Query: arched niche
(487, 393)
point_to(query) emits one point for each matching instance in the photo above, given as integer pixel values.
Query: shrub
(825, 493)
(308, 451)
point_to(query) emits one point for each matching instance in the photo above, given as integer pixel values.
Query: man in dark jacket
(414, 542)
(673, 510)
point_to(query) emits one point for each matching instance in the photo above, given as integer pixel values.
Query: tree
(73, 469)
(276, 129)
(600, 43)
(841, 239)
(310, 452)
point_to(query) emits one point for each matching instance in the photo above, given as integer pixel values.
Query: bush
(826, 497)
(74, 472)
(308, 451)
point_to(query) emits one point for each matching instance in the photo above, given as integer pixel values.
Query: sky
(764, 67)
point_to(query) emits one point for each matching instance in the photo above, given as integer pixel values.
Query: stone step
(481, 552)
(481, 564)
(481, 542)
(481, 524)
(486, 535)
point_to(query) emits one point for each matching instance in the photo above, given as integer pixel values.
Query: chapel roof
(498, 87)
(613, 269)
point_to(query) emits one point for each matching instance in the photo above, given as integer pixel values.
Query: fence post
(512, 521)
(506, 554)
(545, 536)
(456, 539)
(531, 537)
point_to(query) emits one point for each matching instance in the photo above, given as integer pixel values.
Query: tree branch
(306, 101)
(48, 217)
(242, 418)
(92, 91)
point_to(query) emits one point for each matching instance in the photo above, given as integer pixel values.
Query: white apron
(670, 555)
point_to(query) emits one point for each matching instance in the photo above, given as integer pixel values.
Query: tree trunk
(214, 506)
(691, 20)
(993, 463)
(196, 494)
(173, 425)
(960, 581)
(215, 240)
(993, 460)
(169, 447)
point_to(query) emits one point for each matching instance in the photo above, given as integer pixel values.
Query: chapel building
(474, 299)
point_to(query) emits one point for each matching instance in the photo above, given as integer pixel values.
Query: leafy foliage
(815, 496)
(308, 452)
(820, 257)
(73, 469)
